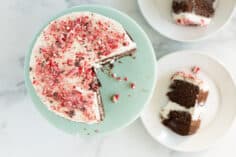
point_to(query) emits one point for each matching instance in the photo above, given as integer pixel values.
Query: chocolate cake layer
(181, 123)
(200, 7)
(182, 6)
(204, 7)
(183, 93)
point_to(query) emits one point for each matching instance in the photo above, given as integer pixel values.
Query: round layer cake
(65, 58)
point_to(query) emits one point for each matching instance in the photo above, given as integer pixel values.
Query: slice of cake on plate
(65, 58)
(193, 12)
(187, 97)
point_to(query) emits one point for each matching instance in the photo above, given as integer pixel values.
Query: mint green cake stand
(141, 71)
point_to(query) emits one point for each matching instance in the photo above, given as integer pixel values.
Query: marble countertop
(25, 133)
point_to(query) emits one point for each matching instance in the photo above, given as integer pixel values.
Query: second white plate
(158, 15)
(220, 108)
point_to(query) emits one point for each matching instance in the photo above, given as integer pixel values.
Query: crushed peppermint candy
(115, 98)
(132, 85)
(125, 78)
(195, 69)
(118, 79)
(113, 75)
(51, 73)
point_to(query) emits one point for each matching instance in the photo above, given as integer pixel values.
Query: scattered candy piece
(126, 79)
(69, 62)
(115, 98)
(195, 69)
(118, 78)
(113, 75)
(132, 86)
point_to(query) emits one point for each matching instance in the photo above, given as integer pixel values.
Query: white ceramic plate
(158, 15)
(220, 107)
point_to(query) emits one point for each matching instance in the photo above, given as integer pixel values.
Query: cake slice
(187, 97)
(65, 58)
(193, 12)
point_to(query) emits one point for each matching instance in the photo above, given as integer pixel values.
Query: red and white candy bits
(195, 69)
(132, 85)
(115, 98)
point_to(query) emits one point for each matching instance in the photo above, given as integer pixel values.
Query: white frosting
(194, 18)
(172, 106)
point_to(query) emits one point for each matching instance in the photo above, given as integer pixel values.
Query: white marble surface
(25, 133)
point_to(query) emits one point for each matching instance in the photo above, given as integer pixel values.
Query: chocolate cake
(65, 58)
(193, 12)
(187, 97)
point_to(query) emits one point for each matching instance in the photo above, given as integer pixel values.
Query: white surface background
(25, 133)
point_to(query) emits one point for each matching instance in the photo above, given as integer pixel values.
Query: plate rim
(185, 40)
(67, 11)
(216, 60)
